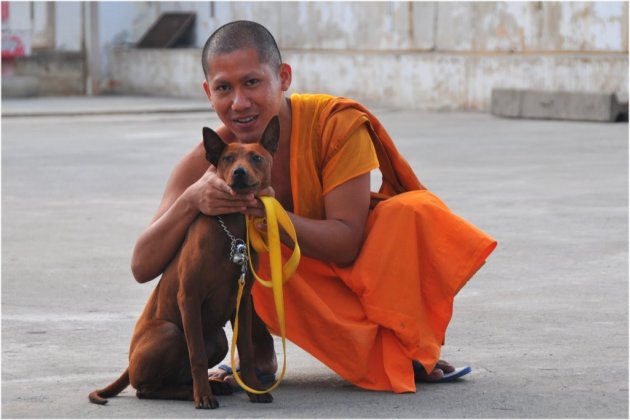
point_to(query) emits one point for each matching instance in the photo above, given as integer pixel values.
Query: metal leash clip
(239, 252)
(239, 256)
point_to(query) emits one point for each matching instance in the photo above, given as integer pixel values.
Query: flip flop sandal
(448, 377)
(456, 374)
(265, 379)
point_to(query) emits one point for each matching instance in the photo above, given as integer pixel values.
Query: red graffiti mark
(12, 46)
(5, 11)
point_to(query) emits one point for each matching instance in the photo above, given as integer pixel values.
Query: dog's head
(246, 167)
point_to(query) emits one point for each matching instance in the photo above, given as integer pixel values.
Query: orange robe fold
(393, 305)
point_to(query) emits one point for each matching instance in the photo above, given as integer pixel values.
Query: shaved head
(239, 35)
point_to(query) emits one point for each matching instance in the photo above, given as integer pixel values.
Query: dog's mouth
(242, 187)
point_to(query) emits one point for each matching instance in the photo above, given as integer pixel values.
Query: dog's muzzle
(240, 180)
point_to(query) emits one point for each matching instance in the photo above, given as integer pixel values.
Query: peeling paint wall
(425, 55)
(450, 55)
(437, 55)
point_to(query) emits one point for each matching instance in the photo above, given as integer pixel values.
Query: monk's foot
(217, 373)
(437, 375)
(221, 377)
(265, 363)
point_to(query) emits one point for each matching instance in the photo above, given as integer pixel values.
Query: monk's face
(244, 92)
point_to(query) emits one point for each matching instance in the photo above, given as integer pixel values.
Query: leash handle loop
(269, 241)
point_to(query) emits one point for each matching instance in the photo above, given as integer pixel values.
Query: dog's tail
(99, 396)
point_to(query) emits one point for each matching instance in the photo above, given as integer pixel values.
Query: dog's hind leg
(177, 392)
(158, 363)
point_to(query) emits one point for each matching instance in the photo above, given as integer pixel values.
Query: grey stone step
(19, 86)
(539, 104)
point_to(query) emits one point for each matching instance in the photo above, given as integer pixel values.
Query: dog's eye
(228, 159)
(256, 158)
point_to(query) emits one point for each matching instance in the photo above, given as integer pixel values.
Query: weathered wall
(53, 73)
(430, 55)
(175, 72)
(424, 55)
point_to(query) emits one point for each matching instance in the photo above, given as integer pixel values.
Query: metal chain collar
(238, 250)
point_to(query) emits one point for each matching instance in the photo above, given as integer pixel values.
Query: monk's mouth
(246, 121)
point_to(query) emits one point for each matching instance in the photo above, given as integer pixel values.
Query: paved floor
(544, 324)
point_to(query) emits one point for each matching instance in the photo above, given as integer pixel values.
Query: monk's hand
(212, 196)
(258, 208)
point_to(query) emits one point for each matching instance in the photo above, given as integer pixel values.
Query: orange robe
(368, 321)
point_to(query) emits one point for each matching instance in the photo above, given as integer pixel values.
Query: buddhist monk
(373, 294)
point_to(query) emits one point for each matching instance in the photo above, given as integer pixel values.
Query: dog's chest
(217, 308)
(219, 273)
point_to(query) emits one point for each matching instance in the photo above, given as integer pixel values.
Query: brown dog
(180, 332)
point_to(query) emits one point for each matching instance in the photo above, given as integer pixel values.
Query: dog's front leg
(245, 347)
(190, 309)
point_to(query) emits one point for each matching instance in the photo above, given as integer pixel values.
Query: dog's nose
(239, 172)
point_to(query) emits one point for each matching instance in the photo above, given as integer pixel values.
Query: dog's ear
(213, 144)
(271, 136)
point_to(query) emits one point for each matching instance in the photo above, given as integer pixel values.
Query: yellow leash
(263, 242)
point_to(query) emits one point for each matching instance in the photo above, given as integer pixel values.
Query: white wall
(430, 55)
(68, 26)
(19, 25)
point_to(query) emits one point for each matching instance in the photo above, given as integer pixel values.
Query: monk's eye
(221, 88)
(252, 82)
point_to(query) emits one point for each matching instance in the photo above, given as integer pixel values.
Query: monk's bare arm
(339, 237)
(193, 187)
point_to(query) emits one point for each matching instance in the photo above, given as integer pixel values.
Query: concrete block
(539, 104)
(56, 72)
(19, 86)
(171, 72)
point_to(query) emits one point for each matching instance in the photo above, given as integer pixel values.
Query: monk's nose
(241, 101)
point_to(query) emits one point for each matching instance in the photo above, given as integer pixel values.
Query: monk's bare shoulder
(186, 172)
(191, 166)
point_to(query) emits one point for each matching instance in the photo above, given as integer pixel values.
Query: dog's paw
(207, 402)
(260, 398)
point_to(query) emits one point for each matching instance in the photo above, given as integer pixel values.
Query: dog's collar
(238, 249)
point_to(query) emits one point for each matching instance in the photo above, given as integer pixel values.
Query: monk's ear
(285, 74)
(271, 136)
(213, 144)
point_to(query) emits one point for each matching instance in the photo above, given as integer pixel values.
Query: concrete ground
(544, 324)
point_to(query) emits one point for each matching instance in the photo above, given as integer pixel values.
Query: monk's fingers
(216, 374)
(215, 208)
(208, 192)
(255, 208)
(213, 196)
(216, 183)
(254, 211)
(216, 200)
(269, 191)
